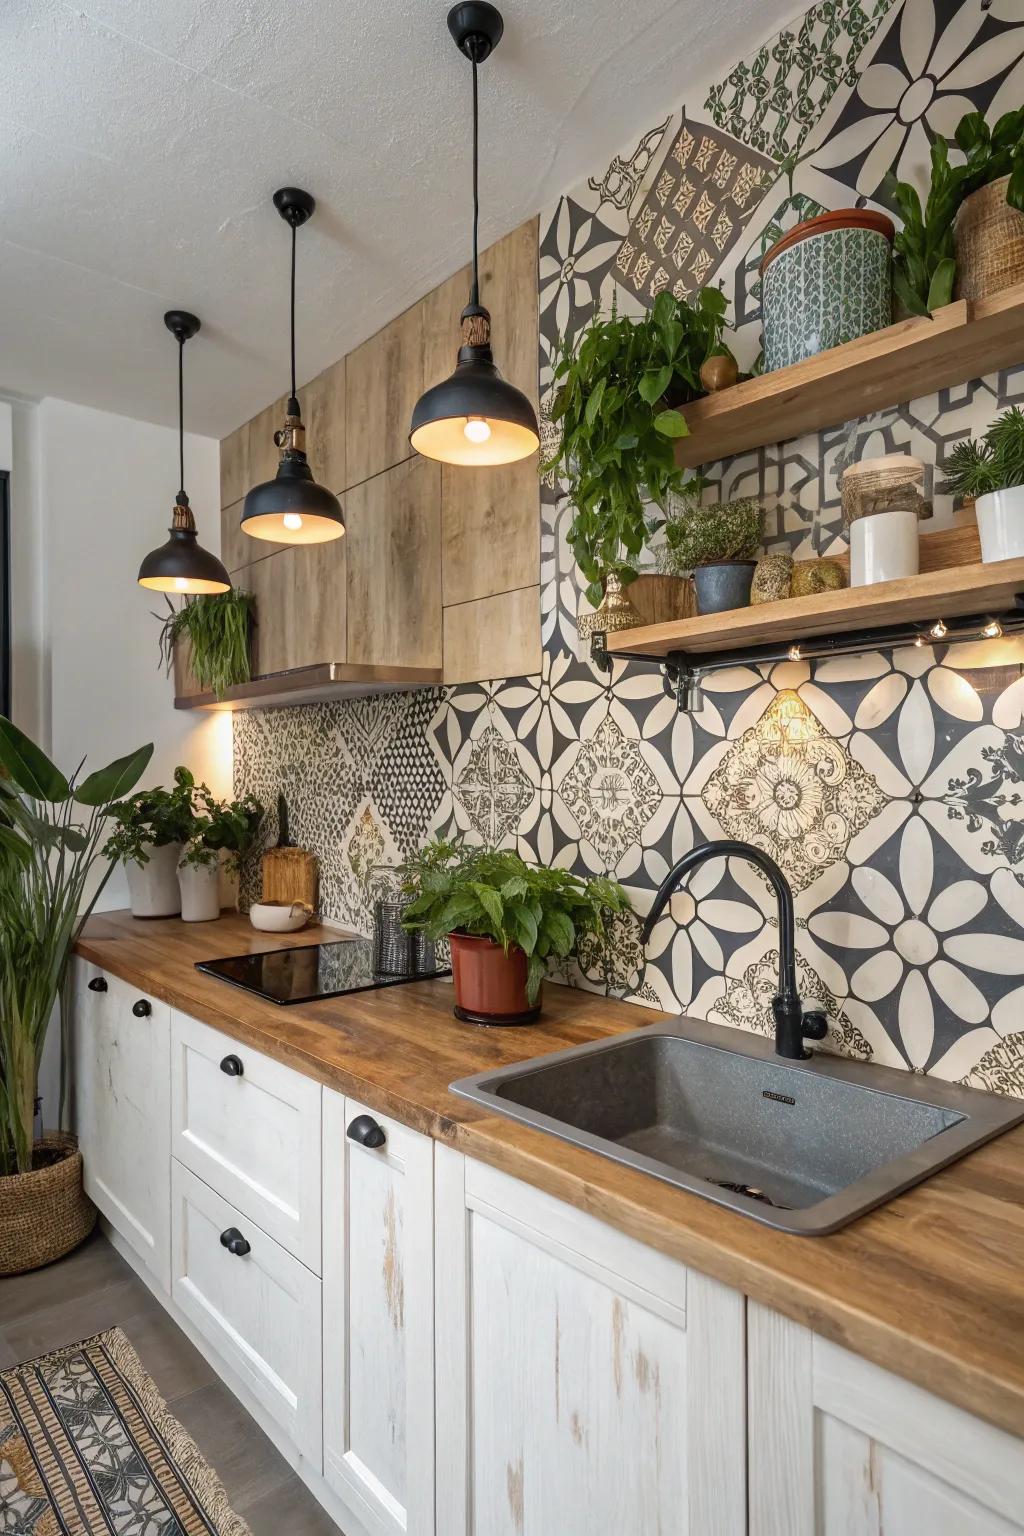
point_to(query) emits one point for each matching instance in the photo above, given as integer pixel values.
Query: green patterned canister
(825, 282)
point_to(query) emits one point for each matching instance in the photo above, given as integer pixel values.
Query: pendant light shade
(292, 508)
(475, 416)
(182, 564)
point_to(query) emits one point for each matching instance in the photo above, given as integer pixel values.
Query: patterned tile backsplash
(890, 786)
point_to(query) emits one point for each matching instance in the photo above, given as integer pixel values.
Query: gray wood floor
(94, 1289)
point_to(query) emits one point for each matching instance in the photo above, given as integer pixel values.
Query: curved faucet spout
(791, 1024)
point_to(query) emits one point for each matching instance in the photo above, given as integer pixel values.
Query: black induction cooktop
(307, 973)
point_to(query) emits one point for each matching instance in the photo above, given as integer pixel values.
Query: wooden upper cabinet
(323, 412)
(394, 567)
(384, 379)
(300, 605)
(234, 466)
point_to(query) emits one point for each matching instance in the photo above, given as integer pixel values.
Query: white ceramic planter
(883, 547)
(153, 888)
(1001, 524)
(200, 892)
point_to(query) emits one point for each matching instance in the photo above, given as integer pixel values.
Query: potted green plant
(150, 830)
(992, 472)
(717, 545)
(51, 827)
(217, 631)
(223, 834)
(503, 918)
(618, 387)
(969, 237)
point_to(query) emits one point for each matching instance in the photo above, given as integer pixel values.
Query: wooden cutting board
(289, 873)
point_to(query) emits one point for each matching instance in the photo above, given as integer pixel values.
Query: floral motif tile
(611, 790)
(492, 786)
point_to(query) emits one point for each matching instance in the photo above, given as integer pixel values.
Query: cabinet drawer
(249, 1128)
(260, 1309)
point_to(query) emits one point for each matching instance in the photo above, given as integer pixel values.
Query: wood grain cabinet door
(122, 1057)
(394, 567)
(378, 1321)
(586, 1385)
(840, 1447)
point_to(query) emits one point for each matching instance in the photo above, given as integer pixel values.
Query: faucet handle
(814, 1024)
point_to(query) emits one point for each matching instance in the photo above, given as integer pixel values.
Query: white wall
(106, 485)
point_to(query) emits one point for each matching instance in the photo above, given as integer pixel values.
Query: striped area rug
(87, 1447)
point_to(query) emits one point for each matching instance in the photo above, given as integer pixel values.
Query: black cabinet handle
(98, 984)
(235, 1243)
(142, 1009)
(232, 1066)
(367, 1132)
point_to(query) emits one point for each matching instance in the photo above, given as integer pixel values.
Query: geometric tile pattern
(889, 785)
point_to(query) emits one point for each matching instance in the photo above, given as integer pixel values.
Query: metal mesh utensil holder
(395, 952)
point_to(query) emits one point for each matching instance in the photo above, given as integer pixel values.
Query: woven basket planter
(45, 1213)
(989, 241)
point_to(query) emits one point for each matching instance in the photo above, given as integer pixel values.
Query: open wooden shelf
(937, 594)
(912, 358)
(314, 685)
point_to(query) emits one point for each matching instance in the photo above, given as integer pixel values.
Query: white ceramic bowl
(279, 916)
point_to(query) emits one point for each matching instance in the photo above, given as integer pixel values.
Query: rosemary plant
(995, 463)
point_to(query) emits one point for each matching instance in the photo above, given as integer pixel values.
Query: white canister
(200, 892)
(153, 889)
(883, 547)
(1001, 524)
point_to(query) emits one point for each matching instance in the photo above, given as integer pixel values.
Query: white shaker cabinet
(586, 1385)
(378, 1318)
(840, 1447)
(121, 1069)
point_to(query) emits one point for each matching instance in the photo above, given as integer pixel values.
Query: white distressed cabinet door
(378, 1321)
(839, 1447)
(122, 1064)
(586, 1385)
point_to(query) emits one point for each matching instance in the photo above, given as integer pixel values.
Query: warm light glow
(938, 630)
(919, 641)
(477, 429)
(292, 521)
(189, 584)
(275, 527)
(993, 629)
(794, 653)
(793, 717)
(181, 583)
(449, 441)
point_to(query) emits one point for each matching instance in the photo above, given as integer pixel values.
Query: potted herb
(969, 237)
(617, 389)
(223, 834)
(503, 918)
(992, 472)
(150, 830)
(50, 833)
(217, 631)
(717, 545)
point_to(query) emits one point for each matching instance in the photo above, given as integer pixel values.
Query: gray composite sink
(805, 1146)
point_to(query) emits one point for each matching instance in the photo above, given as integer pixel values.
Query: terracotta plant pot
(490, 985)
(45, 1213)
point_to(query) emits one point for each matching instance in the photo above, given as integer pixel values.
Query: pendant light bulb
(182, 565)
(475, 417)
(292, 508)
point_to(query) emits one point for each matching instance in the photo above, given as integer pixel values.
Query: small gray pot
(724, 585)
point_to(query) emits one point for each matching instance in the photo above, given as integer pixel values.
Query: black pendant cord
(182, 498)
(292, 315)
(474, 294)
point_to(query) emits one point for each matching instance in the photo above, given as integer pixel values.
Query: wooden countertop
(930, 1286)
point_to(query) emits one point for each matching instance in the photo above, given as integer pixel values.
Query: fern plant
(217, 629)
(995, 463)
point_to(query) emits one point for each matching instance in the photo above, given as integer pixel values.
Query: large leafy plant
(51, 827)
(994, 464)
(924, 263)
(152, 819)
(217, 628)
(616, 389)
(497, 895)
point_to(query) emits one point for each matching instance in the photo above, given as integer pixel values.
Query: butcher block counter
(930, 1286)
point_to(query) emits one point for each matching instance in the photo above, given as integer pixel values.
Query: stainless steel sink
(802, 1146)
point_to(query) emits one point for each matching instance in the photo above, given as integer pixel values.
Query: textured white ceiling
(140, 141)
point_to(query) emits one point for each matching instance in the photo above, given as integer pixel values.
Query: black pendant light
(475, 416)
(182, 564)
(292, 508)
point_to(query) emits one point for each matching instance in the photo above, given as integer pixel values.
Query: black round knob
(142, 1009)
(98, 984)
(235, 1243)
(815, 1024)
(367, 1132)
(232, 1066)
